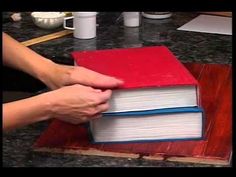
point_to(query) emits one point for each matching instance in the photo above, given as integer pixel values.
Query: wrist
(44, 71)
(48, 104)
(54, 75)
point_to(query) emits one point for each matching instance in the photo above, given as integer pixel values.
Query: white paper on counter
(209, 24)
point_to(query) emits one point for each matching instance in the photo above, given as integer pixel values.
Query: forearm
(24, 112)
(23, 58)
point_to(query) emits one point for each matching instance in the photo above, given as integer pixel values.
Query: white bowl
(48, 20)
(157, 15)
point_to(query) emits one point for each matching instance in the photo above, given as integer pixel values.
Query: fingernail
(120, 81)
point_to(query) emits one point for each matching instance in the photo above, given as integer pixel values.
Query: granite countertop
(187, 46)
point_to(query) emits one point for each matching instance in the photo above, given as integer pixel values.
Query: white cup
(84, 24)
(131, 19)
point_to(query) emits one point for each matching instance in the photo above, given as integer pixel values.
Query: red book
(153, 77)
(215, 148)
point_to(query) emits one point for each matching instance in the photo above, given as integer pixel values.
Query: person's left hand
(63, 75)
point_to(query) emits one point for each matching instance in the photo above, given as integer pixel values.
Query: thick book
(153, 78)
(151, 125)
(215, 148)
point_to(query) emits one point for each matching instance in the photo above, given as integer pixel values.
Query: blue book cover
(140, 114)
(155, 111)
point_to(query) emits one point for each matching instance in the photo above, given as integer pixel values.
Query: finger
(104, 81)
(99, 80)
(104, 96)
(97, 116)
(97, 90)
(72, 121)
(102, 107)
(94, 79)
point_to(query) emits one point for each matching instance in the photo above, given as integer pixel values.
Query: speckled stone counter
(187, 46)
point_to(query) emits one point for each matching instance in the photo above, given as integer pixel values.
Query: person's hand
(62, 75)
(77, 104)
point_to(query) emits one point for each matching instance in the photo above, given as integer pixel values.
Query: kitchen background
(111, 33)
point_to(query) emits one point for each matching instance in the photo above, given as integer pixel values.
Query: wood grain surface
(47, 37)
(226, 14)
(216, 98)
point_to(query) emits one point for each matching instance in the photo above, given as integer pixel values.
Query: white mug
(131, 19)
(84, 24)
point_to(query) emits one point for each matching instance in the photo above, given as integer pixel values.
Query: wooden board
(226, 14)
(47, 37)
(216, 148)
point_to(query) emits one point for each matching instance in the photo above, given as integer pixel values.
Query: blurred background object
(160, 30)
(157, 15)
(16, 17)
(131, 19)
(68, 14)
(131, 38)
(48, 20)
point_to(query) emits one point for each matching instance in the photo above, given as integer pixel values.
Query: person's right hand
(77, 104)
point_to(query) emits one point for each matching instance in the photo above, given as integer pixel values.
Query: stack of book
(159, 101)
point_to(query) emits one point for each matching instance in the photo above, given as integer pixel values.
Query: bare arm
(74, 104)
(23, 112)
(18, 56)
(53, 75)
